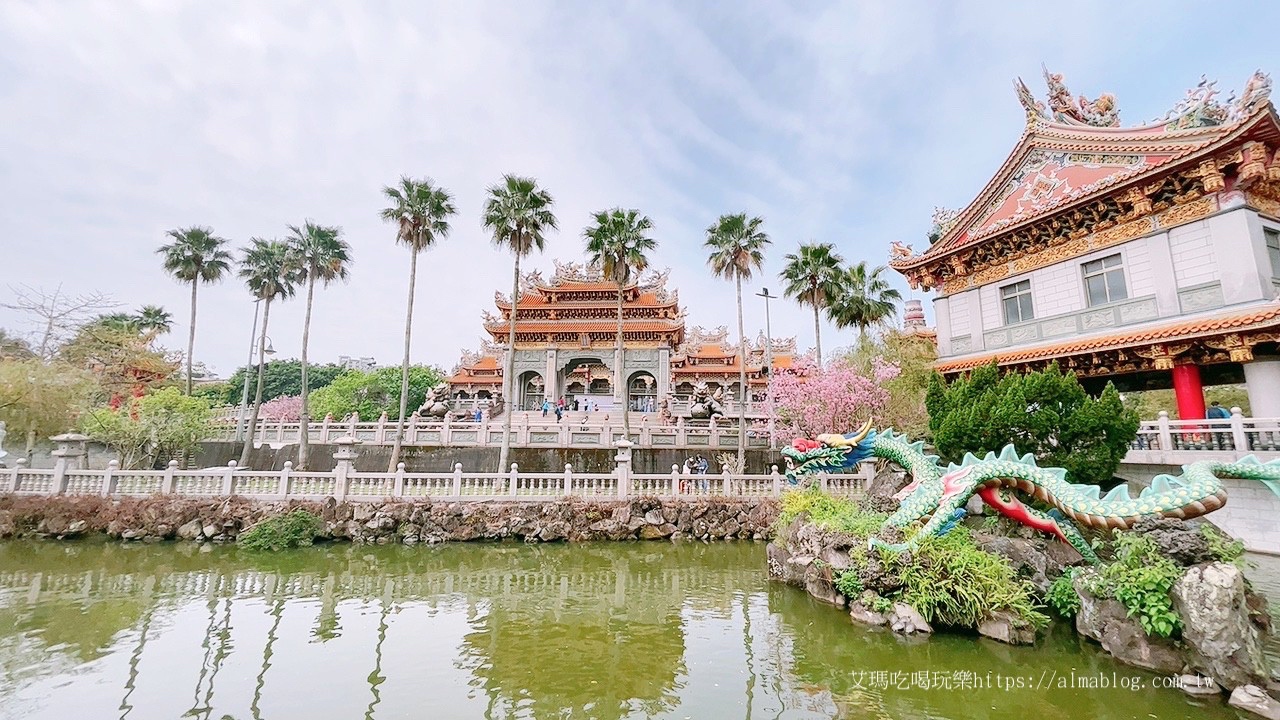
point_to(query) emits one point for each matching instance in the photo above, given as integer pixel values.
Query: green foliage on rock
(1140, 577)
(1224, 547)
(829, 513)
(150, 430)
(1046, 413)
(280, 378)
(298, 528)
(1062, 595)
(372, 393)
(948, 579)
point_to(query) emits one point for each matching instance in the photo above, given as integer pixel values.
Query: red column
(1188, 391)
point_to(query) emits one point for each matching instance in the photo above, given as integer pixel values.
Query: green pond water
(621, 630)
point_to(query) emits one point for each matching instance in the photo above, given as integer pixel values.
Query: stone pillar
(1262, 380)
(551, 383)
(71, 448)
(623, 459)
(663, 373)
(345, 456)
(1188, 391)
(619, 379)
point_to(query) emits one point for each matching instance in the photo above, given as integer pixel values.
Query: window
(1273, 249)
(1016, 300)
(1104, 280)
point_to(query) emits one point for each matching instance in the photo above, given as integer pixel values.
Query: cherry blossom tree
(286, 408)
(808, 400)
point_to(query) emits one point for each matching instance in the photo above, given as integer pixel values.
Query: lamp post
(244, 397)
(768, 361)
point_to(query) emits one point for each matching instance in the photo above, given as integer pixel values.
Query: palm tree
(812, 277)
(864, 299)
(737, 249)
(421, 213)
(196, 255)
(153, 321)
(518, 213)
(322, 255)
(270, 269)
(618, 244)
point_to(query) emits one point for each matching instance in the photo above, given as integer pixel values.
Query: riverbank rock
(1003, 626)
(1179, 540)
(1106, 621)
(905, 620)
(1221, 640)
(1198, 685)
(861, 613)
(1255, 700)
(392, 521)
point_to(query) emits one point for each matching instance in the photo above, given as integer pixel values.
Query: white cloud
(838, 122)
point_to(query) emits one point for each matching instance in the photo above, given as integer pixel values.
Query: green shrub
(152, 429)
(1062, 595)
(1046, 413)
(296, 529)
(1140, 578)
(1224, 547)
(372, 393)
(849, 583)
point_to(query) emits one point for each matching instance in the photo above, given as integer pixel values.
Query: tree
(322, 255)
(151, 429)
(812, 277)
(809, 399)
(40, 400)
(736, 246)
(1045, 413)
(13, 347)
(909, 358)
(421, 212)
(282, 378)
(518, 213)
(618, 243)
(55, 315)
(195, 256)
(864, 299)
(270, 270)
(123, 358)
(154, 321)
(369, 394)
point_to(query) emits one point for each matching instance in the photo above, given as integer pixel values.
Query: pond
(620, 630)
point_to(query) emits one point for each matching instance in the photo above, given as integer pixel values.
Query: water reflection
(605, 631)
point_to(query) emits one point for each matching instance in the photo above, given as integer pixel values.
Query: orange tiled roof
(1258, 318)
(601, 325)
(463, 377)
(1055, 166)
(538, 300)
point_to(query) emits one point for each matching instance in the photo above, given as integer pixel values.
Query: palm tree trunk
(626, 394)
(742, 381)
(817, 334)
(191, 332)
(257, 395)
(404, 363)
(509, 372)
(303, 418)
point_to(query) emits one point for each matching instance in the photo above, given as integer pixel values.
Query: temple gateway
(566, 337)
(1148, 255)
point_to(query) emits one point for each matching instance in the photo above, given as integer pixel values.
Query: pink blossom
(287, 408)
(808, 400)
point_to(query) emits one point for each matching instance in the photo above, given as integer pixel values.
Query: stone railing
(1171, 442)
(345, 483)
(579, 430)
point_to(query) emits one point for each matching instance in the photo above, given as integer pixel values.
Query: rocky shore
(223, 519)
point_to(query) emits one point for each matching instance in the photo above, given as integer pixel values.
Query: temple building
(1148, 255)
(566, 337)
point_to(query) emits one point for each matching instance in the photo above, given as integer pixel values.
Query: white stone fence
(580, 430)
(345, 483)
(1237, 434)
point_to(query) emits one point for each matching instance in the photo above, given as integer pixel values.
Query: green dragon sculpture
(940, 494)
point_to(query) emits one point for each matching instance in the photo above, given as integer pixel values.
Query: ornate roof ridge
(1180, 143)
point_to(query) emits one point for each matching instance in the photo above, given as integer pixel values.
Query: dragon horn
(862, 432)
(838, 440)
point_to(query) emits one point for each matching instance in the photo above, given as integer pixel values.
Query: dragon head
(829, 452)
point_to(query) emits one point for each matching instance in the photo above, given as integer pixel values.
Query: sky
(844, 123)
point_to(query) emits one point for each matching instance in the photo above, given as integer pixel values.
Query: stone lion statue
(437, 403)
(705, 404)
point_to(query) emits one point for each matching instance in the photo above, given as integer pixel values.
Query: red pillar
(1188, 391)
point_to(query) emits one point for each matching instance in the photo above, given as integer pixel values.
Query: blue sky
(837, 122)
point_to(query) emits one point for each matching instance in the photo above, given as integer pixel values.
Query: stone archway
(642, 392)
(532, 390)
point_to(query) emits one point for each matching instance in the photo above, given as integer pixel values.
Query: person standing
(559, 413)
(546, 405)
